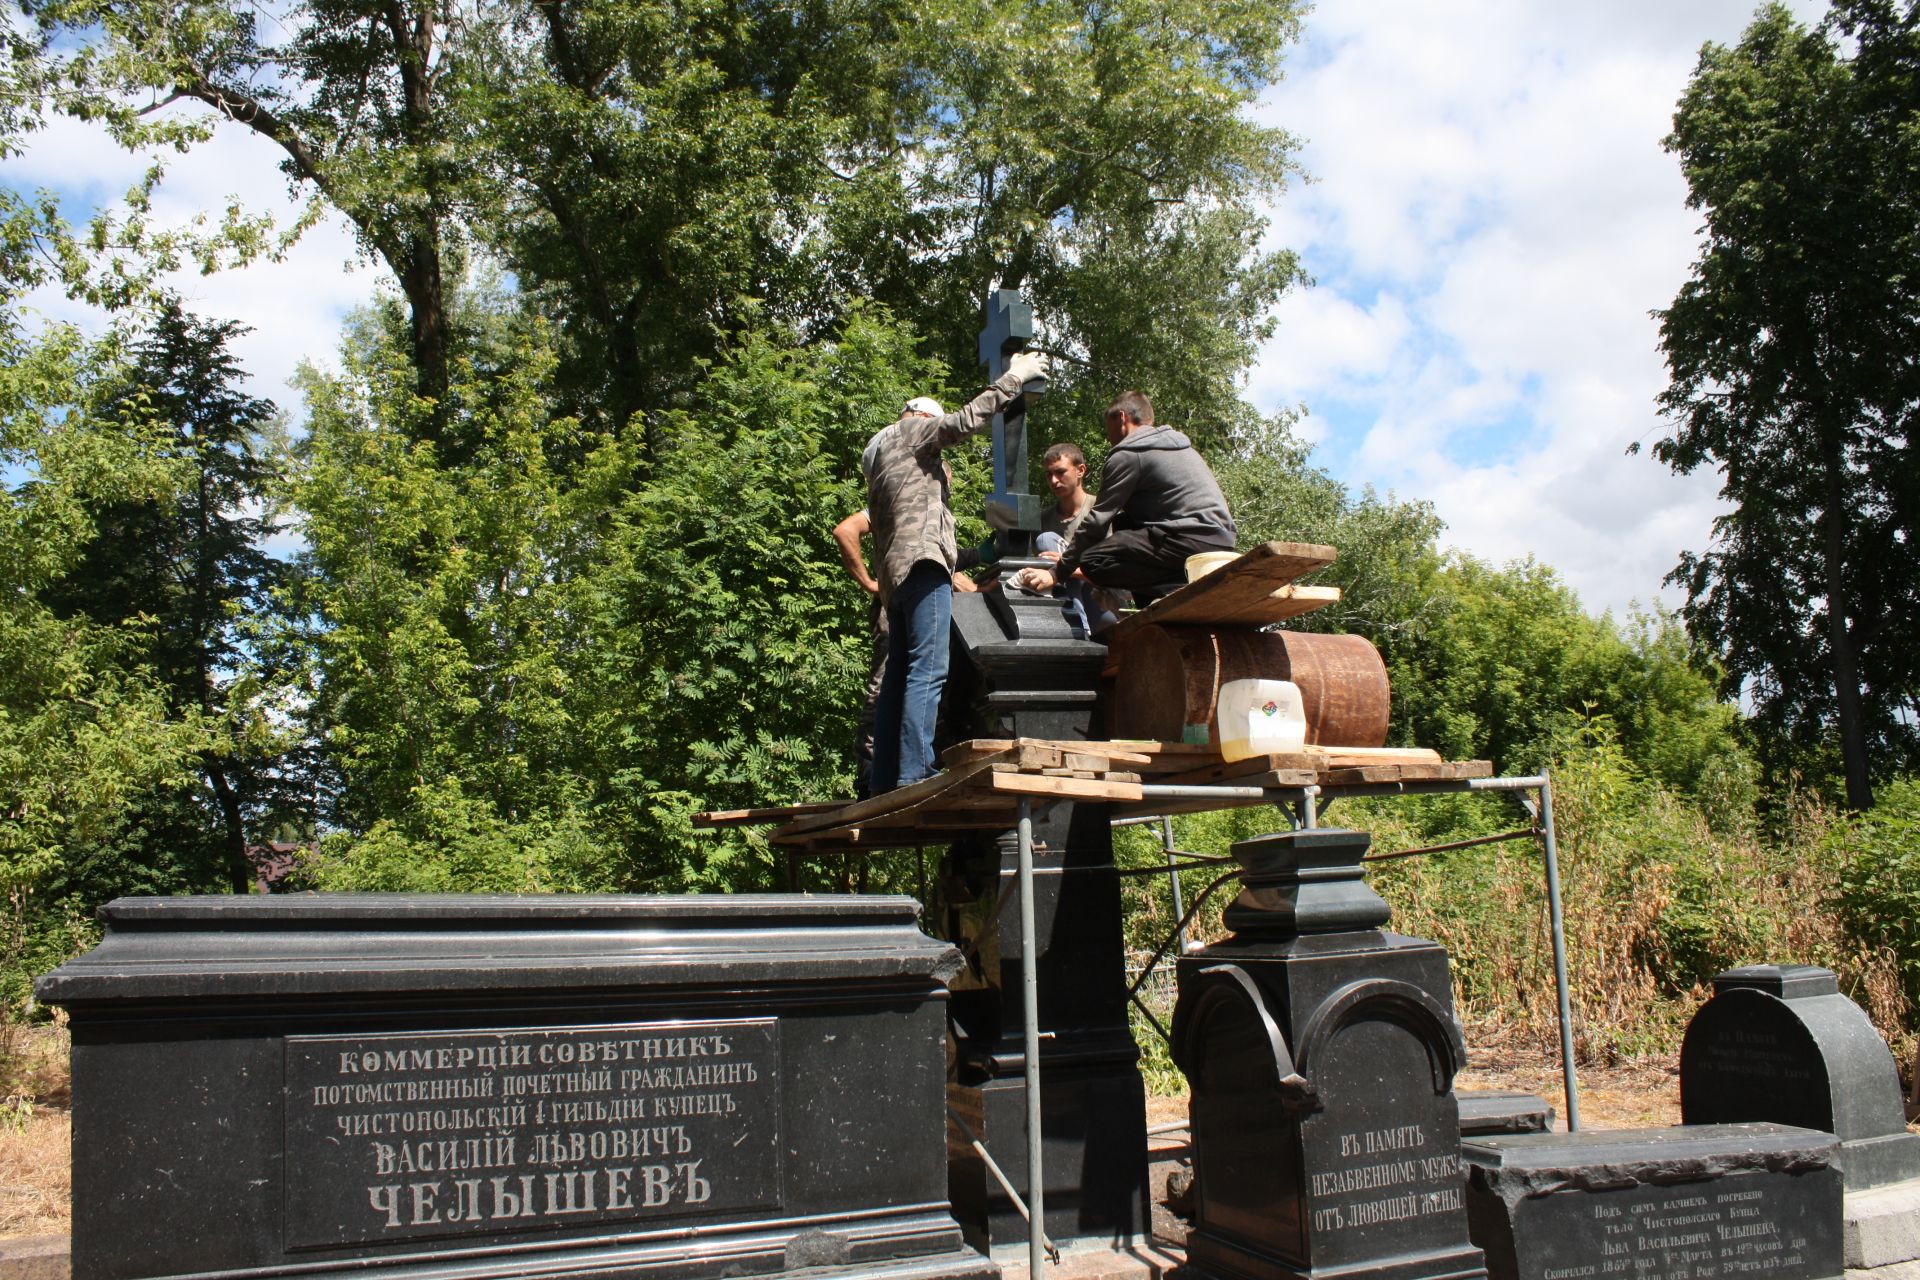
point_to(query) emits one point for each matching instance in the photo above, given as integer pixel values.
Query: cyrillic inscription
(1385, 1175)
(1709, 1233)
(422, 1134)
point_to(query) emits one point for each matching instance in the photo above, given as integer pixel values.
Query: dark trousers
(1148, 562)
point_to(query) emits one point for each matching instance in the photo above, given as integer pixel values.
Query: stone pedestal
(1780, 1043)
(1321, 1052)
(1023, 670)
(418, 1088)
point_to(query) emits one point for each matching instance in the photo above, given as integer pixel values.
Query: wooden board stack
(985, 779)
(1252, 591)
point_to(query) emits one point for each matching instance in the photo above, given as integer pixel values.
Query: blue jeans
(1078, 592)
(919, 622)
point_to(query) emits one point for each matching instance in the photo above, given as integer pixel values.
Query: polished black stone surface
(1321, 1053)
(1780, 1043)
(491, 1087)
(1010, 684)
(1713, 1202)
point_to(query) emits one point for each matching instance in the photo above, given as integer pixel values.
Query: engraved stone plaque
(430, 1134)
(1703, 1202)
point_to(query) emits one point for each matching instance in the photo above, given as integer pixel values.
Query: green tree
(530, 668)
(86, 731)
(187, 566)
(353, 94)
(659, 178)
(1485, 662)
(1794, 350)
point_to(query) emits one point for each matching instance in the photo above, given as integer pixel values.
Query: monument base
(1882, 1227)
(1096, 1183)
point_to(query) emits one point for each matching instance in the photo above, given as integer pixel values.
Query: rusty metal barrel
(1167, 682)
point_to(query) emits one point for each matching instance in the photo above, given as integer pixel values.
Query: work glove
(1027, 366)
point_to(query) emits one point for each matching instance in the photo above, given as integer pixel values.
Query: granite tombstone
(408, 1086)
(1321, 1052)
(1780, 1043)
(1716, 1202)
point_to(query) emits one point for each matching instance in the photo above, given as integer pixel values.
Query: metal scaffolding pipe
(1173, 876)
(1558, 924)
(1030, 992)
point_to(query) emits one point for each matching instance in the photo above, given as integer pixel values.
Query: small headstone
(1487, 1112)
(1780, 1043)
(1321, 1053)
(1716, 1202)
(399, 1086)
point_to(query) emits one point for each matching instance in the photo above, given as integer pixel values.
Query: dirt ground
(1622, 1097)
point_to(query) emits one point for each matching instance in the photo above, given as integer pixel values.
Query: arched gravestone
(1321, 1054)
(1780, 1043)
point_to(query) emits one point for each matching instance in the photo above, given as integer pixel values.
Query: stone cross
(1011, 505)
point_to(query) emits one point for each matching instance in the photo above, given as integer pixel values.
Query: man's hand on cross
(1028, 365)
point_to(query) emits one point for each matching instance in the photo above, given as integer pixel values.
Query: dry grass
(36, 1182)
(1635, 1095)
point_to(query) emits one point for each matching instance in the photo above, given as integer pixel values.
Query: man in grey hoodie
(1158, 504)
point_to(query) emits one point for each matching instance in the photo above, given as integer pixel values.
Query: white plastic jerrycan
(1260, 717)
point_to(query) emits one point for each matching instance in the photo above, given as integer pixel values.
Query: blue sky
(1490, 220)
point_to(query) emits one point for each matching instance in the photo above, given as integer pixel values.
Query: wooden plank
(1362, 775)
(898, 798)
(1097, 761)
(1224, 595)
(765, 816)
(1287, 602)
(1065, 788)
(1356, 756)
(1222, 771)
(916, 809)
(1263, 777)
(1153, 748)
(976, 749)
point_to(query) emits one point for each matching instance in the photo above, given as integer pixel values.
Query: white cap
(924, 404)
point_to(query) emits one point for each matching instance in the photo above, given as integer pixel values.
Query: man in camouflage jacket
(907, 495)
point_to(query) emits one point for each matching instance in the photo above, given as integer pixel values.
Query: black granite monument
(1780, 1043)
(1023, 667)
(1717, 1202)
(1321, 1053)
(423, 1087)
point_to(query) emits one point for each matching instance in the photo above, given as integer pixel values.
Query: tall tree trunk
(1846, 667)
(234, 830)
(426, 305)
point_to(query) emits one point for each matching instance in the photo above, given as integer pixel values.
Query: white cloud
(1492, 220)
(294, 307)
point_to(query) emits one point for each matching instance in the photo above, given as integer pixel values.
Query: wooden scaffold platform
(983, 781)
